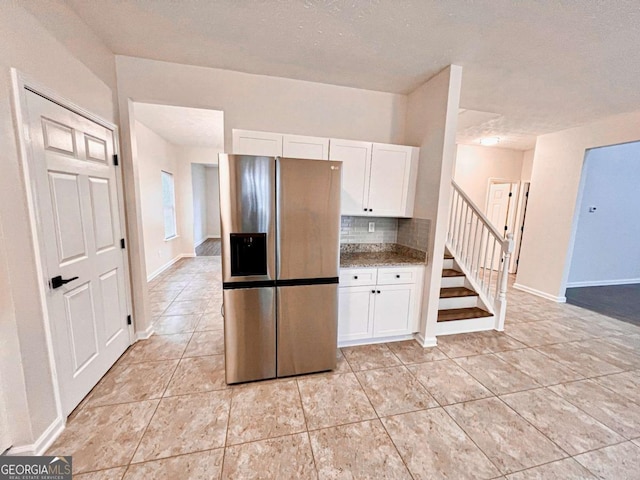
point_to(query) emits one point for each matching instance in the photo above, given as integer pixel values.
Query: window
(169, 205)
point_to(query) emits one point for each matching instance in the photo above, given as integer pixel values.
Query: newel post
(507, 249)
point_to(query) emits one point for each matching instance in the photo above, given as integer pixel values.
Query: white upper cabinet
(377, 179)
(247, 142)
(392, 180)
(311, 148)
(356, 163)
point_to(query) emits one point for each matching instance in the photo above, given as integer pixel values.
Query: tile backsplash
(414, 233)
(356, 230)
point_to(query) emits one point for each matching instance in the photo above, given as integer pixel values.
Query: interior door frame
(21, 83)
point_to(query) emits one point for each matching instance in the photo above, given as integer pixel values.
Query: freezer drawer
(249, 334)
(307, 329)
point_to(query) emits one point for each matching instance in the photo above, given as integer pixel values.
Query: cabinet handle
(378, 291)
(355, 277)
(373, 291)
(397, 276)
(365, 209)
(371, 209)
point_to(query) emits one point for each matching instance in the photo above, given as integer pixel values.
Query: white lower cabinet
(393, 309)
(355, 313)
(378, 303)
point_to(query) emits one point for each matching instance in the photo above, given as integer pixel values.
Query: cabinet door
(247, 142)
(355, 313)
(356, 162)
(393, 310)
(389, 184)
(311, 148)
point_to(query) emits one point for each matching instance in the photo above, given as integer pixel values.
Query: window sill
(171, 238)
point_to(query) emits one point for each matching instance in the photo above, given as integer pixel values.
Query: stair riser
(465, 326)
(452, 282)
(448, 263)
(458, 302)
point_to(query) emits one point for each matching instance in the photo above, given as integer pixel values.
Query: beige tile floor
(557, 395)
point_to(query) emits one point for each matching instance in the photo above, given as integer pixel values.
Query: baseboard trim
(539, 293)
(426, 342)
(603, 283)
(146, 333)
(169, 264)
(45, 440)
(200, 242)
(213, 237)
(371, 341)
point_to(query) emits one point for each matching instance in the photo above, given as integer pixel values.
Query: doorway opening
(184, 142)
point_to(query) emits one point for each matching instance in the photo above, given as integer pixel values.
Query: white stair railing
(482, 252)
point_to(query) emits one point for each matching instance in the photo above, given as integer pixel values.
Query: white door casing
(77, 201)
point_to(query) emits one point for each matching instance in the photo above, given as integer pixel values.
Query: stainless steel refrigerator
(280, 230)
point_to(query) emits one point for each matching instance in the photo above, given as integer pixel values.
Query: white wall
(432, 117)
(213, 203)
(154, 156)
(259, 102)
(557, 167)
(58, 60)
(200, 217)
(606, 249)
(476, 165)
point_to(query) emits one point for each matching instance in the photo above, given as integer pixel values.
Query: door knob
(57, 282)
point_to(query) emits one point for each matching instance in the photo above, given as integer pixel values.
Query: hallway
(557, 396)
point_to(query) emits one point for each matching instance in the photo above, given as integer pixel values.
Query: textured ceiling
(541, 65)
(192, 127)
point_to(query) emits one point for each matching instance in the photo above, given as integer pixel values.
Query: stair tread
(452, 292)
(462, 314)
(448, 256)
(448, 272)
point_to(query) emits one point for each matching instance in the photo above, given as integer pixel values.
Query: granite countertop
(379, 255)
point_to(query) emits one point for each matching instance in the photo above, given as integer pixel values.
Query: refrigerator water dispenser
(248, 254)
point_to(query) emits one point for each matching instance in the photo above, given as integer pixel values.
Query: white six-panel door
(80, 230)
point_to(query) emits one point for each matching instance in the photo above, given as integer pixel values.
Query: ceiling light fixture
(488, 141)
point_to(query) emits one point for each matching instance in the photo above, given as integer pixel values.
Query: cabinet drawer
(350, 277)
(400, 275)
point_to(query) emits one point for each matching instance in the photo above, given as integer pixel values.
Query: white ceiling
(541, 65)
(192, 127)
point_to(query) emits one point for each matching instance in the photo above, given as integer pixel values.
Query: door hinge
(129, 322)
(115, 160)
(527, 194)
(122, 243)
(506, 228)
(510, 194)
(517, 261)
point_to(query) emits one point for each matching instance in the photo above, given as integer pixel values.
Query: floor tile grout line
(380, 420)
(590, 415)
(537, 388)
(495, 393)
(226, 433)
(468, 436)
(306, 427)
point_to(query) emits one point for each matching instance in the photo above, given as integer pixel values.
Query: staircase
(460, 309)
(473, 289)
